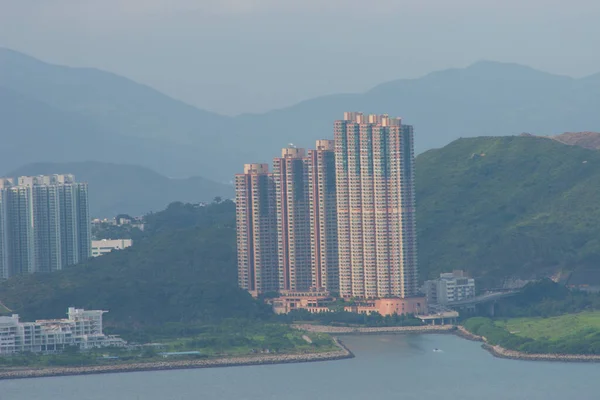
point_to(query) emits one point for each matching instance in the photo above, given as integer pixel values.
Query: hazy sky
(234, 56)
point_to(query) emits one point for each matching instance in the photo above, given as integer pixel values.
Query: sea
(406, 367)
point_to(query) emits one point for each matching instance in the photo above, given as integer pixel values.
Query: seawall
(342, 353)
(347, 330)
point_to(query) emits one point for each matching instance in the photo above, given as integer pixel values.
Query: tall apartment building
(290, 173)
(375, 207)
(17, 221)
(256, 230)
(44, 224)
(297, 226)
(323, 216)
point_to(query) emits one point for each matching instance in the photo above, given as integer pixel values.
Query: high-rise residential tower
(18, 233)
(256, 230)
(290, 173)
(42, 227)
(375, 207)
(323, 216)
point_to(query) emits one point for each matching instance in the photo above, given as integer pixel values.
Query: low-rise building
(104, 246)
(313, 302)
(390, 306)
(316, 302)
(82, 328)
(449, 287)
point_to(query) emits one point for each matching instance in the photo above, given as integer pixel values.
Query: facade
(316, 303)
(105, 246)
(344, 220)
(375, 207)
(82, 328)
(18, 239)
(258, 264)
(454, 286)
(390, 306)
(290, 174)
(310, 301)
(323, 217)
(45, 224)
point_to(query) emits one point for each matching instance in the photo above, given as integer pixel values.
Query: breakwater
(350, 330)
(264, 359)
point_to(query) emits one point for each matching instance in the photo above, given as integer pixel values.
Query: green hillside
(497, 207)
(178, 273)
(508, 205)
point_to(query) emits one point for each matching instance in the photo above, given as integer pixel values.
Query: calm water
(385, 367)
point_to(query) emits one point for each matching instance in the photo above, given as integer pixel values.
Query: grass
(552, 328)
(274, 338)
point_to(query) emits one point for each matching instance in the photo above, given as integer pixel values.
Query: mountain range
(130, 189)
(61, 114)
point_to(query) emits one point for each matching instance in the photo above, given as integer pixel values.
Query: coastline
(458, 330)
(346, 330)
(342, 353)
(501, 352)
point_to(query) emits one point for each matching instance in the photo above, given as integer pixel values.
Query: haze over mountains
(54, 113)
(130, 189)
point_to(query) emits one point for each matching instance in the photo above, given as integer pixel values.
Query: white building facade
(82, 328)
(44, 224)
(450, 287)
(105, 246)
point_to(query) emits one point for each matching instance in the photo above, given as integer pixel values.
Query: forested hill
(184, 270)
(497, 207)
(508, 205)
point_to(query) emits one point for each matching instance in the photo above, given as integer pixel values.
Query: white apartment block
(82, 328)
(449, 287)
(44, 224)
(105, 246)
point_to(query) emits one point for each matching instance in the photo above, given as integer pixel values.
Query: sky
(240, 56)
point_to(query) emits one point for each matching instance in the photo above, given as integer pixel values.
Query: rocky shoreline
(501, 352)
(342, 353)
(348, 330)
(265, 359)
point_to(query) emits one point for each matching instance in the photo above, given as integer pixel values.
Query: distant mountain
(110, 101)
(508, 206)
(588, 140)
(143, 126)
(88, 114)
(486, 98)
(130, 189)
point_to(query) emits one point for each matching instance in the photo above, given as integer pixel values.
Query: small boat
(437, 350)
